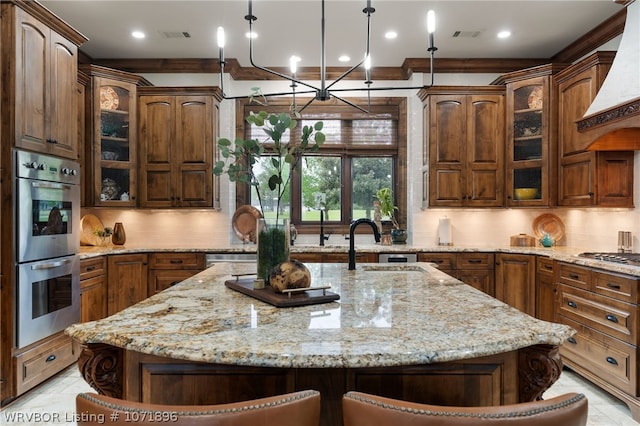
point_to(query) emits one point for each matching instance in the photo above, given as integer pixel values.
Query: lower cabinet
(515, 281)
(168, 269)
(93, 289)
(546, 290)
(126, 280)
(473, 268)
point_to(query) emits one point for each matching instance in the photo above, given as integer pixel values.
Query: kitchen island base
(506, 378)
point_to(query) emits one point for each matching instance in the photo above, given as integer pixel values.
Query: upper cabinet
(111, 137)
(530, 125)
(463, 146)
(588, 178)
(42, 65)
(177, 130)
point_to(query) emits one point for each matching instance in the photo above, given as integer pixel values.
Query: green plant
(102, 233)
(387, 208)
(241, 156)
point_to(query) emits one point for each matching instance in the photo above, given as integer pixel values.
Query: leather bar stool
(293, 409)
(360, 409)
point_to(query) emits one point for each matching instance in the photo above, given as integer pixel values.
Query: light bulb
(293, 63)
(431, 22)
(221, 39)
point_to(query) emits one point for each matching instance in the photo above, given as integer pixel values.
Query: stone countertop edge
(387, 316)
(560, 253)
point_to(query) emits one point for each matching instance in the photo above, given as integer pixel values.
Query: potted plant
(387, 208)
(239, 161)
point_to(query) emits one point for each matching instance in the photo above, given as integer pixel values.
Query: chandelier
(326, 90)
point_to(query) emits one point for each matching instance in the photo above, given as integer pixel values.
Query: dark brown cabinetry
(42, 65)
(515, 281)
(168, 269)
(176, 135)
(463, 146)
(127, 276)
(473, 268)
(603, 308)
(93, 289)
(588, 178)
(546, 290)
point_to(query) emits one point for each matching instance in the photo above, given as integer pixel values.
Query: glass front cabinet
(530, 122)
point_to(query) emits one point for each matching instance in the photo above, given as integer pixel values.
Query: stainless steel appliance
(213, 258)
(47, 240)
(626, 258)
(397, 258)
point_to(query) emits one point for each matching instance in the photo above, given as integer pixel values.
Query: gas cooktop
(627, 258)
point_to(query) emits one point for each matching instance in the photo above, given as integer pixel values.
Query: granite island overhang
(399, 330)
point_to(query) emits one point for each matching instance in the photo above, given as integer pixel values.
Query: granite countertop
(387, 315)
(560, 253)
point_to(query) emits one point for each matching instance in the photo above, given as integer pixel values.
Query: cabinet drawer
(544, 266)
(575, 276)
(615, 318)
(162, 279)
(616, 286)
(176, 261)
(92, 267)
(475, 261)
(43, 361)
(444, 261)
(604, 356)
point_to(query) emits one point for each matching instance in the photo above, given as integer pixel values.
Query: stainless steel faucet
(352, 228)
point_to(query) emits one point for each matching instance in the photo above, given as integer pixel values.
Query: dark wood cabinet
(42, 66)
(334, 257)
(168, 269)
(127, 280)
(464, 146)
(588, 178)
(546, 290)
(93, 289)
(515, 281)
(176, 135)
(473, 268)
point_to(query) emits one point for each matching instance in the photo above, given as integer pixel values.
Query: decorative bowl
(525, 193)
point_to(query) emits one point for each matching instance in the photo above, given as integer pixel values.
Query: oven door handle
(50, 265)
(50, 185)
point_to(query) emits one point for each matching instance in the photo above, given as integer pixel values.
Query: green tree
(369, 174)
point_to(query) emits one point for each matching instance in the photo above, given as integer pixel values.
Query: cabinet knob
(572, 341)
(613, 286)
(50, 358)
(572, 304)
(612, 360)
(612, 318)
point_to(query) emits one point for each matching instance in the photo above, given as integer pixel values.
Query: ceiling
(539, 29)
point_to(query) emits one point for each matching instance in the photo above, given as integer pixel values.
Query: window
(362, 153)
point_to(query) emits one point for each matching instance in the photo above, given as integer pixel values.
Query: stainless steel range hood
(612, 121)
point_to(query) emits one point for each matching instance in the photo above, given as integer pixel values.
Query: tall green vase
(272, 245)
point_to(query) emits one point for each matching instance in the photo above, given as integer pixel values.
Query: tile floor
(54, 402)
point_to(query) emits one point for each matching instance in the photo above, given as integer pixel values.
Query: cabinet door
(515, 281)
(482, 280)
(194, 151)
(127, 281)
(447, 149)
(156, 133)
(485, 151)
(93, 299)
(162, 279)
(615, 178)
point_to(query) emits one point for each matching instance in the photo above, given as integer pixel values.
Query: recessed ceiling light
(504, 34)
(344, 58)
(390, 35)
(252, 34)
(137, 34)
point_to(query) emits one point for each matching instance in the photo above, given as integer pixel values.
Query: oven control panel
(31, 165)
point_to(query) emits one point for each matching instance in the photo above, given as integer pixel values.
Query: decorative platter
(108, 98)
(309, 296)
(548, 223)
(244, 223)
(535, 98)
(88, 223)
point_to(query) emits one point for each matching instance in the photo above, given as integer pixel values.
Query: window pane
(379, 132)
(263, 170)
(368, 175)
(332, 129)
(321, 185)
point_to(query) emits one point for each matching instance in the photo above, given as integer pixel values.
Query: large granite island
(409, 332)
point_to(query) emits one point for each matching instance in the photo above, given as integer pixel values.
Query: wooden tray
(268, 295)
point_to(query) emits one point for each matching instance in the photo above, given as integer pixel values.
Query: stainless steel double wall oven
(47, 240)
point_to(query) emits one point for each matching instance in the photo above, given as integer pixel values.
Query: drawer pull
(612, 360)
(574, 276)
(174, 283)
(476, 261)
(547, 267)
(572, 341)
(175, 261)
(50, 358)
(572, 304)
(436, 261)
(90, 268)
(613, 286)
(612, 318)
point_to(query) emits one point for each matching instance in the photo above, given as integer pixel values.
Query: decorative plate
(535, 98)
(108, 98)
(548, 223)
(244, 222)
